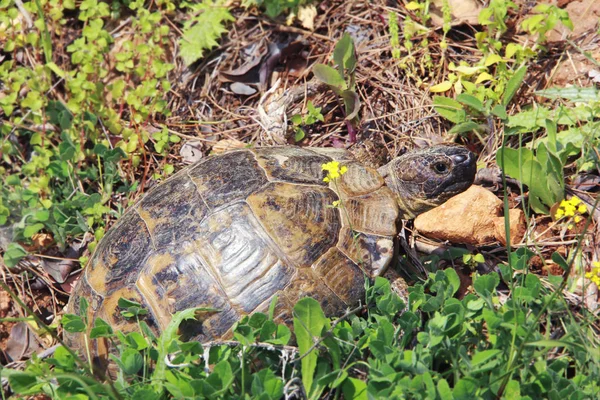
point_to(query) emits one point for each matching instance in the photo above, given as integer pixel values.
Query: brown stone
(517, 223)
(473, 217)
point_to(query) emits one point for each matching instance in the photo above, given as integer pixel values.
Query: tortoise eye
(440, 168)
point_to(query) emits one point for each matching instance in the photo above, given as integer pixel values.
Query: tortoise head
(425, 178)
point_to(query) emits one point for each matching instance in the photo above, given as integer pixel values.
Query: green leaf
(31, 230)
(202, 31)
(170, 334)
(13, 254)
(559, 259)
(23, 382)
(309, 324)
(471, 101)
(450, 109)
(574, 94)
(548, 343)
(485, 285)
(513, 85)
(73, 323)
(444, 390)
(329, 76)
(343, 54)
(484, 356)
(351, 104)
(266, 383)
(101, 329)
(131, 361)
(355, 389)
(298, 134)
(467, 126)
(500, 111)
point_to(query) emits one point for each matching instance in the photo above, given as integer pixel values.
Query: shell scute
(173, 283)
(120, 256)
(292, 164)
(227, 178)
(375, 212)
(341, 275)
(298, 218)
(372, 252)
(172, 211)
(242, 257)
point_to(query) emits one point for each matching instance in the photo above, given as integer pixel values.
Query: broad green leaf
(351, 104)
(450, 109)
(441, 87)
(485, 285)
(512, 391)
(31, 230)
(354, 389)
(513, 85)
(465, 388)
(131, 361)
(13, 254)
(73, 323)
(168, 335)
(574, 94)
(329, 76)
(222, 376)
(309, 324)
(101, 329)
(500, 111)
(444, 390)
(470, 101)
(266, 383)
(23, 382)
(467, 126)
(343, 54)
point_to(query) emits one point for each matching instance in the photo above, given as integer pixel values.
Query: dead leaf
(59, 270)
(306, 16)
(42, 240)
(462, 12)
(21, 342)
(191, 151)
(248, 71)
(242, 88)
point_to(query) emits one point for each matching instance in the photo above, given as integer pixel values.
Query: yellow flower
(333, 170)
(577, 219)
(559, 213)
(336, 203)
(575, 200)
(594, 274)
(582, 208)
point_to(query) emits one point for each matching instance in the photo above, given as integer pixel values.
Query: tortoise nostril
(460, 158)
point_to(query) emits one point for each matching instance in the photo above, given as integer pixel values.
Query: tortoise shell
(234, 230)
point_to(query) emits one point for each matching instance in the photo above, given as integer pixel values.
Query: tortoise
(233, 230)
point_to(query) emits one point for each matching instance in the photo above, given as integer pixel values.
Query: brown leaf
(21, 342)
(59, 270)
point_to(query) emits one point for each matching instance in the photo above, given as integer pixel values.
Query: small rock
(517, 223)
(472, 217)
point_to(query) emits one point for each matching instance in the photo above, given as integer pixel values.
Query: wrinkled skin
(425, 178)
